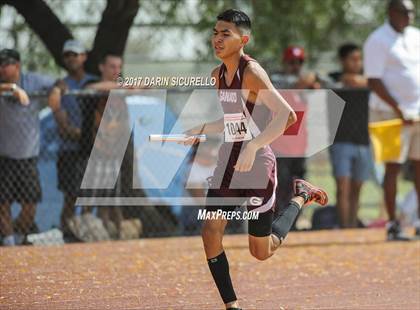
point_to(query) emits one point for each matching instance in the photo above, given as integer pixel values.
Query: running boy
(245, 159)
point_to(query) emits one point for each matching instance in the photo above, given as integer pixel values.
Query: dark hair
(237, 17)
(396, 4)
(103, 57)
(346, 49)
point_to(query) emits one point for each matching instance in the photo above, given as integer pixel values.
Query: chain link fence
(43, 188)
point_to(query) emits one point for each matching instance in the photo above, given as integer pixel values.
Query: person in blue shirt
(19, 144)
(68, 114)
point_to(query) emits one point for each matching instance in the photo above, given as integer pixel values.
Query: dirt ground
(352, 269)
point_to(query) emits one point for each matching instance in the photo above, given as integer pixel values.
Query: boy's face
(111, 68)
(352, 63)
(227, 39)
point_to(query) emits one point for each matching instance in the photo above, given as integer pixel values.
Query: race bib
(236, 128)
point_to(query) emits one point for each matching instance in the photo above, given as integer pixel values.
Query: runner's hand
(246, 158)
(191, 140)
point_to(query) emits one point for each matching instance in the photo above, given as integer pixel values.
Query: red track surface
(352, 269)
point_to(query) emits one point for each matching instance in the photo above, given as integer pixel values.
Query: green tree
(317, 25)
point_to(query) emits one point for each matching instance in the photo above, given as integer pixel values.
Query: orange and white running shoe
(309, 192)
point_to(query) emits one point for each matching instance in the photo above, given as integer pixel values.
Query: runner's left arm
(257, 82)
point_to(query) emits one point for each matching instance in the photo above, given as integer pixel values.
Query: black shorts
(70, 169)
(19, 180)
(260, 227)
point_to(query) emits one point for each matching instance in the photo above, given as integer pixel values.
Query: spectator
(350, 154)
(110, 67)
(19, 144)
(107, 163)
(67, 112)
(392, 65)
(291, 77)
(351, 74)
(293, 59)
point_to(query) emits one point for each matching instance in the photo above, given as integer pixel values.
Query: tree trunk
(52, 32)
(112, 33)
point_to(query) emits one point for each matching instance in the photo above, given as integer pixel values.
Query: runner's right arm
(213, 127)
(208, 128)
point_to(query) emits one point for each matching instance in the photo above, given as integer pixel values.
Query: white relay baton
(175, 138)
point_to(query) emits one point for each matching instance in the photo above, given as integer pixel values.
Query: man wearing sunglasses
(68, 115)
(392, 65)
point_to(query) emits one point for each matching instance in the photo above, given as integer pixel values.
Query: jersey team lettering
(227, 96)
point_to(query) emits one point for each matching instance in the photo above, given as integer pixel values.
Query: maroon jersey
(243, 121)
(232, 101)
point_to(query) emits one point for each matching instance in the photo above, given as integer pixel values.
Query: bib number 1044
(236, 128)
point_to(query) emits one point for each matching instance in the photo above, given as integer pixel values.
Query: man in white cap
(68, 115)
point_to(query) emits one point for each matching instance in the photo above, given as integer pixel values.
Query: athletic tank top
(243, 120)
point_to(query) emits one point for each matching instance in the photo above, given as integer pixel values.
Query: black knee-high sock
(219, 268)
(282, 224)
